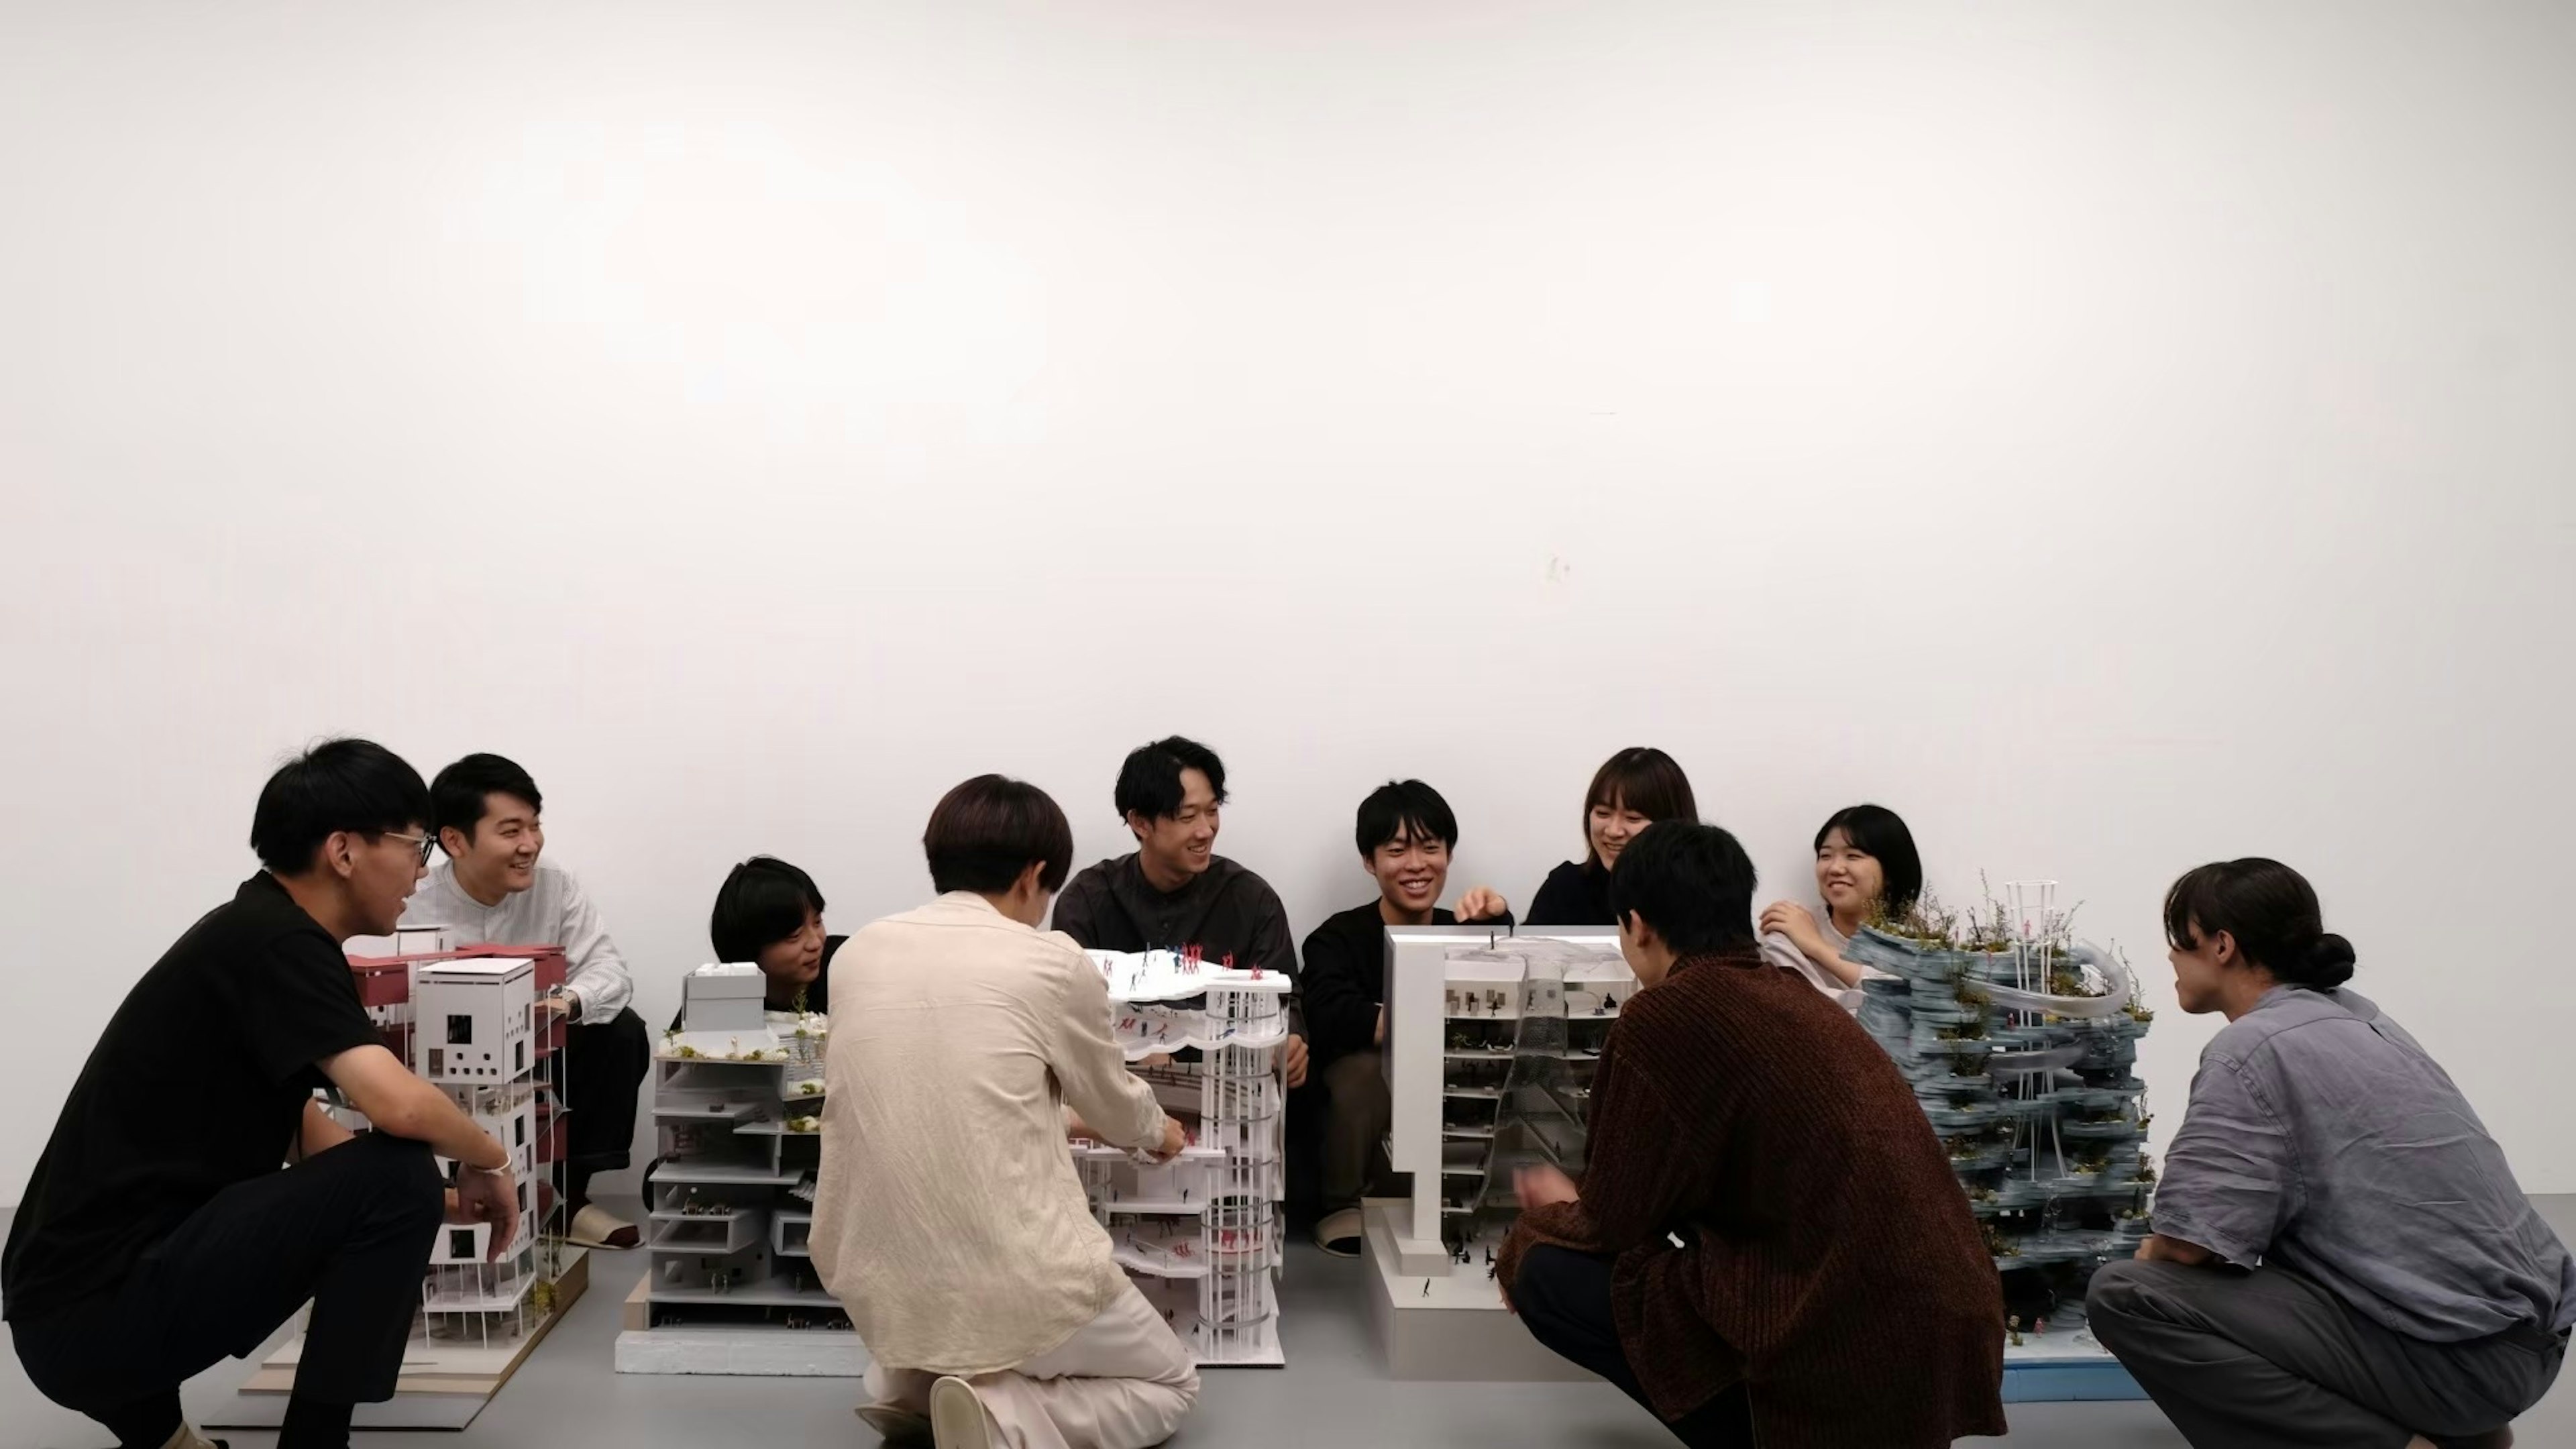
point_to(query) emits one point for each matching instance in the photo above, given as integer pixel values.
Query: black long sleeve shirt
(1345, 977)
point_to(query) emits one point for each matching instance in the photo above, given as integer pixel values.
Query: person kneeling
(2402, 1290)
(1768, 1245)
(948, 1218)
(160, 1234)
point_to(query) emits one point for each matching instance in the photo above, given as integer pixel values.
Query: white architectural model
(737, 1106)
(1491, 1041)
(474, 1035)
(1200, 1234)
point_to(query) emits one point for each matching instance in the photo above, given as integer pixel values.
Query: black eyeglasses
(424, 841)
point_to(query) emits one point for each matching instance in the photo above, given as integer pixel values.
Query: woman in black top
(769, 912)
(1632, 790)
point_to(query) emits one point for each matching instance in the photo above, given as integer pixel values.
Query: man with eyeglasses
(493, 889)
(160, 1233)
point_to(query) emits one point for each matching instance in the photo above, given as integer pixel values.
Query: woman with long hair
(1632, 790)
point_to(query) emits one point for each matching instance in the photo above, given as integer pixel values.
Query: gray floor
(1333, 1394)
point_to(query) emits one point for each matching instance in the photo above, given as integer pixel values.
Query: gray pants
(2269, 1358)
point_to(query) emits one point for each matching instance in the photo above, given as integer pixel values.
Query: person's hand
(1380, 1038)
(1482, 903)
(565, 1003)
(489, 1197)
(1540, 1185)
(1292, 1062)
(1797, 923)
(1175, 1138)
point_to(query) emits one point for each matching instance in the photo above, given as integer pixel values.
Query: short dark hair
(457, 793)
(986, 831)
(1149, 784)
(2272, 912)
(1643, 779)
(354, 785)
(1692, 883)
(1404, 807)
(1880, 834)
(762, 901)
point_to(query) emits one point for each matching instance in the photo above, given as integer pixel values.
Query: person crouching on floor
(949, 1219)
(1768, 1245)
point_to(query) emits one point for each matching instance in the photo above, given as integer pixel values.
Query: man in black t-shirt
(1405, 833)
(159, 1233)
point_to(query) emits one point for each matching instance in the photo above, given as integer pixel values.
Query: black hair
(1877, 832)
(353, 785)
(763, 901)
(1642, 779)
(458, 792)
(986, 831)
(1404, 807)
(1692, 883)
(1149, 784)
(2272, 912)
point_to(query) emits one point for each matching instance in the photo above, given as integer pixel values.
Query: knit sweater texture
(1828, 1262)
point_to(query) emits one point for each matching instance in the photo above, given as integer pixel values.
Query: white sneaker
(957, 1418)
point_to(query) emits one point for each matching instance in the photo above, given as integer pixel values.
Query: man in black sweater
(1405, 833)
(1174, 891)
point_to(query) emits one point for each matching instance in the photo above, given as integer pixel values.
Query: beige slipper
(957, 1418)
(1340, 1233)
(896, 1425)
(597, 1227)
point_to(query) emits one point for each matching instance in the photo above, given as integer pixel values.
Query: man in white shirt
(948, 1217)
(494, 890)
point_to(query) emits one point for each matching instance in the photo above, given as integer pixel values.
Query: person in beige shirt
(948, 1218)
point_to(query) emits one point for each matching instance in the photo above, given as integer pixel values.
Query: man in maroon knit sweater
(1768, 1245)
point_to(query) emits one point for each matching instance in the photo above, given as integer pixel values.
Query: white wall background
(2117, 437)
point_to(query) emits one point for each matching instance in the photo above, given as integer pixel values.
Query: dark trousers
(603, 1074)
(1564, 1297)
(2270, 1357)
(1355, 1123)
(349, 1229)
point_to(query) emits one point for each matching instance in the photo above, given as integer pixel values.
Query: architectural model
(1200, 1235)
(1491, 1043)
(466, 1021)
(2022, 1046)
(737, 1106)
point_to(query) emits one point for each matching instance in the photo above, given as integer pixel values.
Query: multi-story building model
(1491, 1042)
(1200, 1235)
(737, 1109)
(467, 1021)
(737, 1105)
(2022, 1045)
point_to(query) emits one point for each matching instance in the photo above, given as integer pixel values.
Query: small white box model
(473, 1019)
(725, 997)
